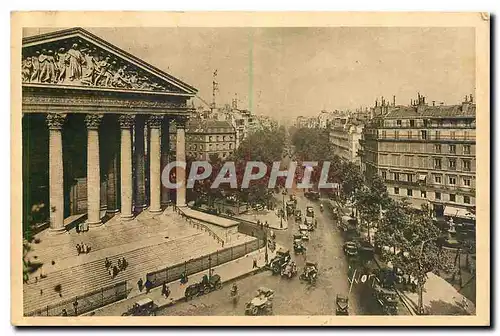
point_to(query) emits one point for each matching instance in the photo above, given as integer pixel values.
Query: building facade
(425, 154)
(208, 137)
(345, 136)
(95, 129)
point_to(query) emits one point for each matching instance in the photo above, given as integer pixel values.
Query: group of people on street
(113, 270)
(82, 248)
(148, 285)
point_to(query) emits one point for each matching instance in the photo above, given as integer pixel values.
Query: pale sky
(287, 72)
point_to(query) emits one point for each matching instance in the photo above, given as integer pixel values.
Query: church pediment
(77, 58)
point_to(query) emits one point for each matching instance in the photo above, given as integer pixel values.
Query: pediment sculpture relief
(85, 66)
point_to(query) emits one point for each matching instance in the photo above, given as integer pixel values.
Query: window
(466, 165)
(423, 193)
(452, 197)
(223, 138)
(452, 135)
(396, 176)
(466, 149)
(398, 122)
(384, 134)
(396, 134)
(396, 190)
(384, 175)
(452, 180)
(438, 135)
(210, 138)
(467, 181)
(466, 199)
(410, 177)
(230, 146)
(452, 164)
(453, 149)
(437, 163)
(437, 179)
(412, 123)
(423, 135)
(438, 195)
(409, 192)
(437, 148)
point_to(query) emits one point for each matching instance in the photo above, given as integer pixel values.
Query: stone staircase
(148, 243)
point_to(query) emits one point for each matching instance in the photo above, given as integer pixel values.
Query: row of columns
(55, 123)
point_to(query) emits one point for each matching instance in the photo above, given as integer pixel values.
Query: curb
(227, 281)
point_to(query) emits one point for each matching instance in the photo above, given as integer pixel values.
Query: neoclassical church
(95, 123)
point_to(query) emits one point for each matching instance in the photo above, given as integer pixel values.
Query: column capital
(92, 121)
(55, 121)
(155, 120)
(181, 121)
(126, 120)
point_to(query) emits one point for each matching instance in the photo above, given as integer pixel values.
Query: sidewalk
(229, 271)
(270, 216)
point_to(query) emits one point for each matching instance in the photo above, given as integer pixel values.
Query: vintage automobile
(261, 304)
(304, 231)
(309, 211)
(366, 250)
(206, 285)
(278, 263)
(347, 223)
(290, 207)
(298, 245)
(298, 215)
(290, 270)
(310, 272)
(144, 307)
(350, 249)
(387, 298)
(311, 194)
(310, 223)
(342, 303)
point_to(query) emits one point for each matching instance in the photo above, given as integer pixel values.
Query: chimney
(433, 103)
(470, 98)
(393, 100)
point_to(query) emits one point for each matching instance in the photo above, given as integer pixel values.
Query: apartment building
(345, 135)
(207, 137)
(425, 153)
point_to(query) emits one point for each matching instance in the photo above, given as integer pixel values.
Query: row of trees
(409, 236)
(265, 146)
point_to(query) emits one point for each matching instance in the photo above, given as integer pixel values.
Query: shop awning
(458, 212)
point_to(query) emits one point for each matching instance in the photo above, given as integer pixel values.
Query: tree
(412, 235)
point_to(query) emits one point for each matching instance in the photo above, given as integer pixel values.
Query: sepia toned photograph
(250, 169)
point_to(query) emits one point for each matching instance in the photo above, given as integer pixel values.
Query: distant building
(208, 137)
(345, 135)
(425, 153)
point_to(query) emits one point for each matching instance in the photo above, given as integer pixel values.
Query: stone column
(180, 173)
(126, 122)
(93, 170)
(155, 122)
(139, 153)
(56, 176)
(165, 152)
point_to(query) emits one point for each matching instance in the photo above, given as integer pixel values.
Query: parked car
(309, 211)
(144, 307)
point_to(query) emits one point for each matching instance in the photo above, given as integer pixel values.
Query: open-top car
(304, 231)
(311, 194)
(310, 223)
(309, 211)
(298, 245)
(280, 260)
(262, 303)
(310, 272)
(342, 303)
(144, 307)
(206, 285)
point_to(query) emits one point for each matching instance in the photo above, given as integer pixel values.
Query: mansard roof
(425, 111)
(75, 58)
